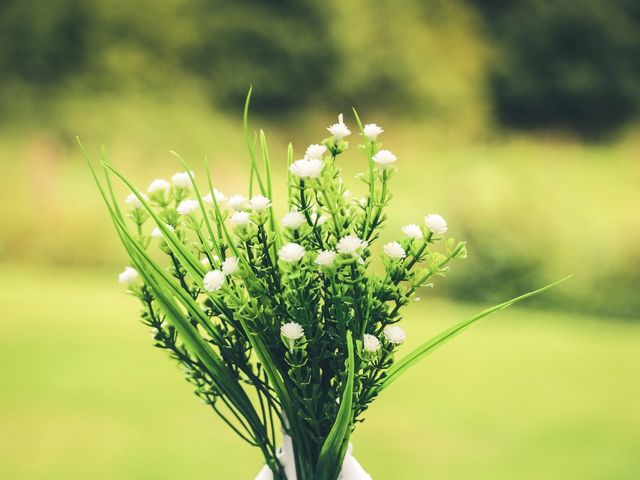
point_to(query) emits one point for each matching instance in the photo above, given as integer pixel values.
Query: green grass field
(526, 395)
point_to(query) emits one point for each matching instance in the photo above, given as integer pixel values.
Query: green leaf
(187, 259)
(425, 349)
(203, 209)
(335, 445)
(251, 148)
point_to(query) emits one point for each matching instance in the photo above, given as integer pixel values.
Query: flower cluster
(295, 307)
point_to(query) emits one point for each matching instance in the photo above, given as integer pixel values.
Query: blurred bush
(281, 46)
(570, 64)
(142, 77)
(42, 43)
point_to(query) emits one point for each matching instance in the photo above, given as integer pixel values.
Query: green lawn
(526, 395)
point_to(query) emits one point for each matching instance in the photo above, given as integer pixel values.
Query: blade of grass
(335, 445)
(201, 204)
(264, 149)
(251, 147)
(428, 347)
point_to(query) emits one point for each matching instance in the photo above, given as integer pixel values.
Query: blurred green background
(517, 121)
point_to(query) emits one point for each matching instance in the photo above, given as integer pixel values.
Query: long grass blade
(251, 147)
(425, 349)
(335, 445)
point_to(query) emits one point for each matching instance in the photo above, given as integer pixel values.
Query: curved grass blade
(203, 209)
(251, 147)
(425, 349)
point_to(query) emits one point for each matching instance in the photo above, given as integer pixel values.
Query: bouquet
(287, 325)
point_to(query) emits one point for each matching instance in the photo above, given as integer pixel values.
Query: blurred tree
(282, 47)
(42, 43)
(568, 64)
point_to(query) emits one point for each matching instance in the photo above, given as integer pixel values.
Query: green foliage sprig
(283, 323)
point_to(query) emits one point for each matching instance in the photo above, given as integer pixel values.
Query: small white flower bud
(293, 220)
(128, 276)
(370, 343)
(436, 223)
(159, 185)
(394, 250)
(157, 233)
(220, 197)
(325, 258)
(213, 280)
(339, 130)
(259, 203)
(188, 206)
(351, 245)
(230, 265)
(182, 179)
(307, 167)
(237, 202)
(412, 231)
(384, 158)
(315, 151)
(292, 331)
(134, 201)
(371, 131)
(291, 252)
(240, 219)
(394, 334)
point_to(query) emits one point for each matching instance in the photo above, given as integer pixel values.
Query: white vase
(351, 469)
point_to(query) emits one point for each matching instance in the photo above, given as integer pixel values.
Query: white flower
(319, 220)
(347, 194)
(350, 245)
(205, 260)
(213, 280)
(182, 179)
(371, 131)
(291, 252)
(339, 130)
(395, 334)
(157, 233)
(325, 258)
(220, 197)
(370, 343)
(394, 250)
(188, 206)
(128, 276)
(412, 231)
(240, 219)
(259, 203)
(315, 151)
(230, 265)
(294, 220)
(436, 223)
(384, 158)
(158, 185)
(292, 331)
(237, 202)
(307, 167)
(135, 201)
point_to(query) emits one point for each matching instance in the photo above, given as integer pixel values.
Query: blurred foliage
(565, 64)
(422, 58)
(283, 46)
(560, 64)
(42, 43)
(141, 77)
